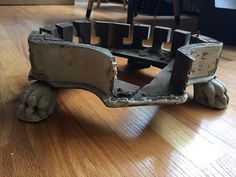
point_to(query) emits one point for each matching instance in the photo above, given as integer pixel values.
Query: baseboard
(36, 2)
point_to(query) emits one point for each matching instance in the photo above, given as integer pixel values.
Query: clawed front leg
(37, 102)
(212, 94)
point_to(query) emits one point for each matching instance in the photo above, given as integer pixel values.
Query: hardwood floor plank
(140, 148)
(224, 166)
(5, 161)
(85, 138)
(185, 140)
(208, 123)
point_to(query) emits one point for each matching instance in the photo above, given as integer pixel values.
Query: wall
(36, 2)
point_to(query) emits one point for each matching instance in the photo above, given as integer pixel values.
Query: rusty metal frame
(192, 59)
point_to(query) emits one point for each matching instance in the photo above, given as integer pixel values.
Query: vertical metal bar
(180, 38)
(161, 34)
(83, 29)
(140, 33)
(65, 31)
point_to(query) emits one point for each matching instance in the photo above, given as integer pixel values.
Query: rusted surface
(60, 63)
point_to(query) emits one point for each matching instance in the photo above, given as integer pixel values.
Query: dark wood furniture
(131, 11)
(90, 6)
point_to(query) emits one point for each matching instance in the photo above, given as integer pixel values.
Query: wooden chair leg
(124, 3)
(89, 8)
(98, 3)
(176, 4)
(131, 11)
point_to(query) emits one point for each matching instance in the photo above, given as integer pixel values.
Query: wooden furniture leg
(124, 3)
(176, 5)
(89, 8)
(130, 14)
(98, 3)
(131, 10)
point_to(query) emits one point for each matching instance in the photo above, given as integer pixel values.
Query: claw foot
(212, 94)
(37, 102)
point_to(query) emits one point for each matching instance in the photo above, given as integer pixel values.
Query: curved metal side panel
(205, 58)
(64, 64)
(68, 65)
(71, 65)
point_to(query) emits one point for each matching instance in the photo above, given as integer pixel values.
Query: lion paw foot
(212, 93)
(37, 102)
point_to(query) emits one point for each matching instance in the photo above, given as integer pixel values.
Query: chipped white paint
(60, 64)
(205, 56)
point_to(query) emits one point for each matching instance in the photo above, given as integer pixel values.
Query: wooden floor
(85, 138)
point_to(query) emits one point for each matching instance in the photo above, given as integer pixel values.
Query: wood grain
(85, 138)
